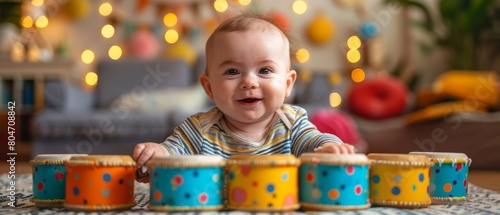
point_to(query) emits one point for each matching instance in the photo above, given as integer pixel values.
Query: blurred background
(415, 39)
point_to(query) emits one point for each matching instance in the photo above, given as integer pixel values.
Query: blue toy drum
(448, 177)
(186, 183)
(334, 182)
(49, 179)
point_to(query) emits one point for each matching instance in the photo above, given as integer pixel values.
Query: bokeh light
(37, 2)
(299, 6)
(91, 78)
(108, 31)
(170, 20)
(42, 22)
(221, 5)
(302, 55)
(335, 99)
(87, 56)
(353, 56)
(105, 9)
(244, 2)
(358, 75)
(171, 36)
(27, 22)
(335, 78)
(353, 42)
(115, 52)
(17, 53)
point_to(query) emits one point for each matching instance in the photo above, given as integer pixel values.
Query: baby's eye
(264, 71)
(232, 72)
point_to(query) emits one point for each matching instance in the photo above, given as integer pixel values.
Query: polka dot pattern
(49, 181)
(449, 178)
(343, 185)
(191, 187)
(265, 186)
(402, 184)
(103, 186)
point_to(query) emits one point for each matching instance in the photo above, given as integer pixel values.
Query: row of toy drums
(313, 181)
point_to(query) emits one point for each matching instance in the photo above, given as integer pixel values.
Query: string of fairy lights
(172, 36)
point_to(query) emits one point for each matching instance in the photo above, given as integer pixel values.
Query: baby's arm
(330, 147)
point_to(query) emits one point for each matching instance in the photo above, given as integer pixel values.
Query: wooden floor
(488, 179)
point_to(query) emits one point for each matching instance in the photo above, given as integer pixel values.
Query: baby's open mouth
(250, 100)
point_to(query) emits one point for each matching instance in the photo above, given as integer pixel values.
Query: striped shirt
(208, 133)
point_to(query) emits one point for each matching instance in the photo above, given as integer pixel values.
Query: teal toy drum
(49, 179)
(334, 182)
(448, 177)
(186, 183)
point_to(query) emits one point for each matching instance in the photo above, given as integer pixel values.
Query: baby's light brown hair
(244, 23)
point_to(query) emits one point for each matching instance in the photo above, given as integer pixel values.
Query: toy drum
(100, 183)
(334, 182)
(186, 182)
(399, 180)
(49, 179)
(448, 183)
(263, 182)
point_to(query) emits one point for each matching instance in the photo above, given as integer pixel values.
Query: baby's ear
(290, 81)
(205, 82)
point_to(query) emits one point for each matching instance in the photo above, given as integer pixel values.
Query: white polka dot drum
(448, 183)
(399, 180)
(100, 183)
(49, 179)
(334, 182)
(186, 183)
(263, 182)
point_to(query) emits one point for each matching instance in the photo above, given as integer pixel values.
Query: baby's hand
(143, 152)
(335, 148)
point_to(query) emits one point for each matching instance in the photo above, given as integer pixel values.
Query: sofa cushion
(189, 99)
(140, 77)
(66, 96)
(101, 124)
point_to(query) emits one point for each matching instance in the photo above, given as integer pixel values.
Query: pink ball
(143, 44)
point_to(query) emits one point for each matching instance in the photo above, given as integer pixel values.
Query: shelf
(24, 84)
(65, 70)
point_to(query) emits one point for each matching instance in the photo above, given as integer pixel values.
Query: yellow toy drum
(100, 183)
(448, 183)
(263, 182)
(400, 180)
(49, 179)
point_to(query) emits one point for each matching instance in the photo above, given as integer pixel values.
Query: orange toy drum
(263, 182)
(400, 180)
(100, 183)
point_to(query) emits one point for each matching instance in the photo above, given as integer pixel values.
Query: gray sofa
(77, 121)
(95, 122)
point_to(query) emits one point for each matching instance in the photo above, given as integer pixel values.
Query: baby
(248, 75)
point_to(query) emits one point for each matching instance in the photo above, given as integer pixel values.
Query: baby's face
(248, 74)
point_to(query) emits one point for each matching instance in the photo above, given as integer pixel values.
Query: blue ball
(369, 30)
